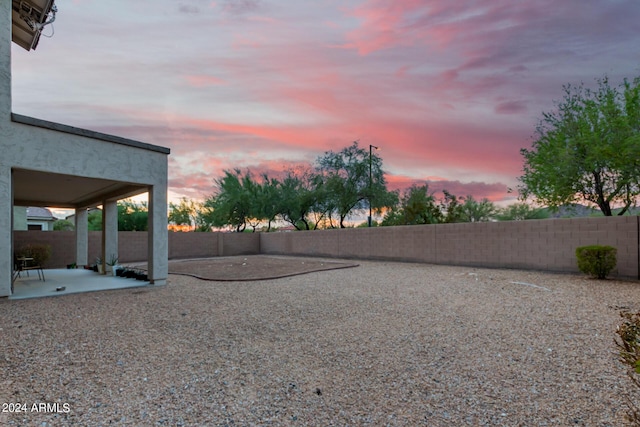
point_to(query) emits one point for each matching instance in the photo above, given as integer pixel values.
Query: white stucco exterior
(32, 145)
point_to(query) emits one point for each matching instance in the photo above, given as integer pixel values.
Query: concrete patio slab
(73, 281)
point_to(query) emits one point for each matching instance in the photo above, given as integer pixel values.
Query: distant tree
(365, 224)
(416, 206)
(521, 211)
(185, 212)
(231, 206)
(204, 219)
(268, 200)
(132, 216)
(346, 179)
(477, 211)
(324, 204)
(298, 194)
(94, 220)
(588, 149)
(451, 208)
(63, 225)
(253, 192)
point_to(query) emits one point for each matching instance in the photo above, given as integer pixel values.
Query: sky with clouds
(449, 90)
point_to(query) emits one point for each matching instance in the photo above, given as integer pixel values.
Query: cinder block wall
(63, 245)
(538, 244)
(193, 245)
(132, 245)
(535, 244)
(95, 245)
(230, 244)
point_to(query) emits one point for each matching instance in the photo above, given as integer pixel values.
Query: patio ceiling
(48, 189)
(35, 188)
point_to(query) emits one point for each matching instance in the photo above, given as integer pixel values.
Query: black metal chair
(26, 264)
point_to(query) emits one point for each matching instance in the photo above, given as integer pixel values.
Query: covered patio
(50, 164)
(62, 281)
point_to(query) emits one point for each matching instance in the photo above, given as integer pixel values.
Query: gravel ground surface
(379, 344)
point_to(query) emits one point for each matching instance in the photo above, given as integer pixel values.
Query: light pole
(370, 181)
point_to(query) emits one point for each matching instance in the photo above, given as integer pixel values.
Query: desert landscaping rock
(380, 344)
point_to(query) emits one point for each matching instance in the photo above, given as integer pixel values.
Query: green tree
(94, 220)
(132, 216)
(63, 225)
(348, 184)
(204, 220)
(186, 212)
(268, 200)
(251, 193)
(477, 211)
(416, 206)
(588, 149)
(520, 212)
(243, 201)
(231, 205)
(297, 197)
(451, 208)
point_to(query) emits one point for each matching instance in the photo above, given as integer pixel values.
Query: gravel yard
(379, 344)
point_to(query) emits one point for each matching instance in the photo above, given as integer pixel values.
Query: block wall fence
(547, 244)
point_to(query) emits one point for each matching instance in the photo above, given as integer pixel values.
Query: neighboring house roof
(42, 214)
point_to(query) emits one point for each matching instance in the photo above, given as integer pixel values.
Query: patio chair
(25, 264)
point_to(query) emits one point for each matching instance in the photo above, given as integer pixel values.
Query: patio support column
(5, 65)
(110, 230)
(82, 237)
(6, 230)
(158, 246)
(6, 192)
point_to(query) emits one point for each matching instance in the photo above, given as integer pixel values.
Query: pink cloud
(444, 88)
(404, 142)
(382, 25)
(203, 80)
(494, 192)
(511, 107)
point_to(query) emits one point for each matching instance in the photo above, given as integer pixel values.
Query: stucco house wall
(34, 145)
(20, 218)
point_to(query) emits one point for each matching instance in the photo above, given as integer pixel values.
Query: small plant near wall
(628, 344)
(113, 260)
(111, 263)
(596, 260)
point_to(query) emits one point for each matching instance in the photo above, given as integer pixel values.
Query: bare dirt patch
(252, 267)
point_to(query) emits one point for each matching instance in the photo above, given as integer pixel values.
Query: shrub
(596, 260)
(629, 346)
(39, 252)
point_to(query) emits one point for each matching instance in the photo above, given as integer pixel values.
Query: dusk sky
(449, 90)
